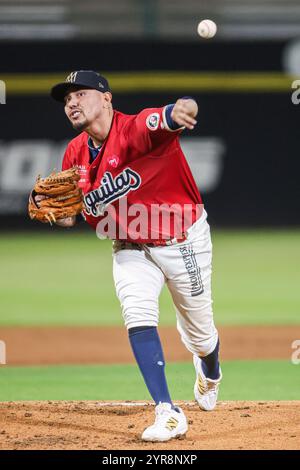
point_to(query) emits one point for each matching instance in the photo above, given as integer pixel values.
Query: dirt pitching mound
(108, 426)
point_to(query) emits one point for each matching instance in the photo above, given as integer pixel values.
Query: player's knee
(201, 346)
(208, 346)
(140, 324)
(134, 318)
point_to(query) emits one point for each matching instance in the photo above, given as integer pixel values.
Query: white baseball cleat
(168, 424)
(205, 389)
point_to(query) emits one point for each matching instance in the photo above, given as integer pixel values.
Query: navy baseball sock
(146, 346)
(210, 364)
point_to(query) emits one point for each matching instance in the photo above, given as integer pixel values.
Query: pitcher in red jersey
(134, 177)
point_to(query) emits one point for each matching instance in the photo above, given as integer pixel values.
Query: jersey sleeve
(149, 129)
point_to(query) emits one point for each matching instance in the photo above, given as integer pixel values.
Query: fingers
(184, 119)
(184, 113)
(38, 198)
(67, 222)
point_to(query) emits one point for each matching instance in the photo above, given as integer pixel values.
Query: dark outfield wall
(244, 151)
(203, 55)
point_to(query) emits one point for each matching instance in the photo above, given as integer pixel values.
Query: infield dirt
(108, 426)
(109, 345)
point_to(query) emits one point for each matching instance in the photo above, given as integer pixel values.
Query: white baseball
(207, 29)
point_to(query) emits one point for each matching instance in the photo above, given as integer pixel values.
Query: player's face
(84, 106)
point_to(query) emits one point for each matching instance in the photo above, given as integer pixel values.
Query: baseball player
(135, 162)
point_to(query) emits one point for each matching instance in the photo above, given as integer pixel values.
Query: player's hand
(184, 113)
(38, 198)
(67, 222)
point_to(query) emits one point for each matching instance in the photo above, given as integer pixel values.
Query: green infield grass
(65, 278)
(243, 380)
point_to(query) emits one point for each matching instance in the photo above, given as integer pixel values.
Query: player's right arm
(154, 127)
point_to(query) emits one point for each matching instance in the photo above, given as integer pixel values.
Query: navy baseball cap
(80, 79)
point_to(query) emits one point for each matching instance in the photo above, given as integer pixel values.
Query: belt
(126, 245)
(173, 241)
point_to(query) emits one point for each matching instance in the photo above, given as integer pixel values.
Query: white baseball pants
(139, 275)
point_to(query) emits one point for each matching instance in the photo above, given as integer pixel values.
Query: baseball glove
(56, 197)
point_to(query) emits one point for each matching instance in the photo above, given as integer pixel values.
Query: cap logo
(101, 85)
(72, 77)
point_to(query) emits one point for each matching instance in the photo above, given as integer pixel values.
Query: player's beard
(80, 126)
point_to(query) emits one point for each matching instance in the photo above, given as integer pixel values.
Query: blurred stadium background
(244, 156)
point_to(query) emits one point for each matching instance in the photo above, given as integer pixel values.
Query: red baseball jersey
(140, 181)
